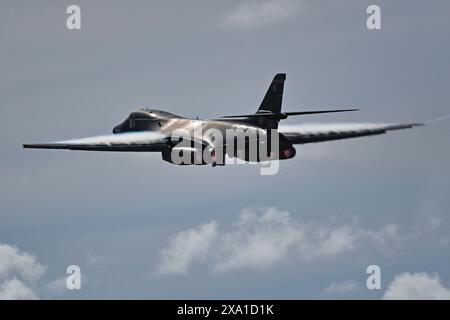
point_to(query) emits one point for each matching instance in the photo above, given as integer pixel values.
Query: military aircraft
(150, 130)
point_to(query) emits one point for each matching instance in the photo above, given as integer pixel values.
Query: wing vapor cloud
(319, 128)
(315, 132)
(122, 138)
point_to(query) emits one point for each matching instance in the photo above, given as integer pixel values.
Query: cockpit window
(160, 114)
(162, 123)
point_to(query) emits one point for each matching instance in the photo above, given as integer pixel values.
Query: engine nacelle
(284, 150)
(183, 156)
(192, 156)
(287, 153)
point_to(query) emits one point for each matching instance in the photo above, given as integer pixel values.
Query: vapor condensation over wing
(318, 128)
(122, 138)
(311, 132)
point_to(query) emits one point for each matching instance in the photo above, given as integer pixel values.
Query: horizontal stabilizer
(284, 115)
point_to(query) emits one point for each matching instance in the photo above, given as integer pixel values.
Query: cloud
(185, 248)
(262, 238)
(14, 289)
(19, 271)
(94, 259)
(255, 13)
(257, 240)
(417, 286)
(20, 264)
(341, 287)
(57, 286)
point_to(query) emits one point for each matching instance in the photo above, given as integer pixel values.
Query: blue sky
(328, 214)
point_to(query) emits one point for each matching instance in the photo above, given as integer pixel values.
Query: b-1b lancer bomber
(193, 141)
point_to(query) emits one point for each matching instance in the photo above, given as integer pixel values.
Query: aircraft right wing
(135, 141)
(312, 133)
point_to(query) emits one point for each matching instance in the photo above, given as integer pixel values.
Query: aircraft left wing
(135, 141)
(313, 133)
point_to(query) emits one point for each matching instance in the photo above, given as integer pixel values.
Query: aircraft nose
(117, 130)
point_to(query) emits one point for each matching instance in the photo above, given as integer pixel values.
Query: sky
(139, 227)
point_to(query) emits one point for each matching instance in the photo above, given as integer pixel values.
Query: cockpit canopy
(145, 119)
(159, 113)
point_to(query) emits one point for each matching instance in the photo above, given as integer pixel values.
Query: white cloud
(185, 248)
(58, 286)
(14, 289)
(94, 259)
(252, 13)
(417, 286)
(262, 238)
(341, 287)
(20, 264)
(19, 271)
(257, 241)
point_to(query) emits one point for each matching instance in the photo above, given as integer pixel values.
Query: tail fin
(269, 113)
(274, 96)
